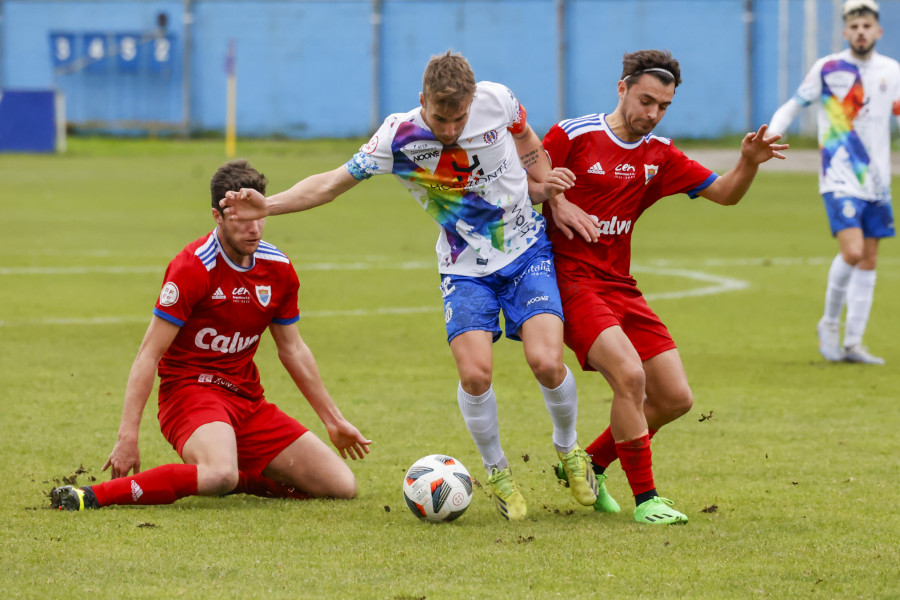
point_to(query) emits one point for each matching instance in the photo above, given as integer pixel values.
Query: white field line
(114, 270)
(717, 284)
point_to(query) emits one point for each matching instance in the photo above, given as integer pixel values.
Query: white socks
(860, 293)
(836, 292)
(562, 404)
(855, 288)
(480, 416)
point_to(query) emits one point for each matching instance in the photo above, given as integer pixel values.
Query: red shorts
(261, 428)
(591, 305)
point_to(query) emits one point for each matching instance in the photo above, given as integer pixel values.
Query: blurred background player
(616, 169)
(460, 154)
(220, 295)
(857, 91)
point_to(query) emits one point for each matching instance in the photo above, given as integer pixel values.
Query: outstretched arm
(784, 116)
(315, 190)
(298, 359)
(125, 456)
(756, 148)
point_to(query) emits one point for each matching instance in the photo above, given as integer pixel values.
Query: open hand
(757, 148)
(246, 204)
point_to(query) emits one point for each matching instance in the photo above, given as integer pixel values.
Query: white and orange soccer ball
(437, 488)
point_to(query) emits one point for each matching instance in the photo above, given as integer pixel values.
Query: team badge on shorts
(264, 294)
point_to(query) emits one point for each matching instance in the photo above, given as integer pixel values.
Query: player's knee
(852, 256)
(681, 403)
(631, 382)
(217, 480)
(548, 368)
(344, 487)
(475, 379)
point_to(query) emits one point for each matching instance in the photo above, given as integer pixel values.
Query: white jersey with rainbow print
(857, 100)
(476, 189)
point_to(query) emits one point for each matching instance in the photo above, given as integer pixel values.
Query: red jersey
(615, 181)
(222, 310)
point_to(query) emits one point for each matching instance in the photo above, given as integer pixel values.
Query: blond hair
(448, 80)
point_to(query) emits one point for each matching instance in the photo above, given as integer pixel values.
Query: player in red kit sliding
(612, 169)
(219, 296)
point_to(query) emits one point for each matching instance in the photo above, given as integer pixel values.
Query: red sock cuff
(637, 462)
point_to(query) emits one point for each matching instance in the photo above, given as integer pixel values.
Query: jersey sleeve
(518, 114)
(683, 175)
(375, 157)
(557, 144)
(513, 111)
(895, 80)
(184, 285)
(288, 310)
(810, 88)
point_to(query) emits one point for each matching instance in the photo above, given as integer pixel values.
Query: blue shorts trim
(876, 219)
(522, 289)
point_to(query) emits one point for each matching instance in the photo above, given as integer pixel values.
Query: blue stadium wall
(327, 68)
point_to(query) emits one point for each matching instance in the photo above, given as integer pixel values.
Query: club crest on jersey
(169, 294)
(649, 172)
(264, 294)
(369, 147)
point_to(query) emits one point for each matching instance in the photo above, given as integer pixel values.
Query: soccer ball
(437, 488)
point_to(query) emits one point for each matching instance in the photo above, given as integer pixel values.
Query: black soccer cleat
(69, 497)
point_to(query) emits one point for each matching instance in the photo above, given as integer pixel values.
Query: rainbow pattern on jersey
(841, 114)
(448, 199)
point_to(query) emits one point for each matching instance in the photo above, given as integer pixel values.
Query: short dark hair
(658, 63)
(448, 80)
(231, 177)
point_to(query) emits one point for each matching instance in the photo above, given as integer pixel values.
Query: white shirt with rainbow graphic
(476, 189)
(857, 99)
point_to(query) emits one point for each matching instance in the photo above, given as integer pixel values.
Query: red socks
(603, 450)
(266, 488)
(637, 463)
(168, 483)
(160, 485)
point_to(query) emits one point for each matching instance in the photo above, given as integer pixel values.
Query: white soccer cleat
(860, 354)
(829, 340)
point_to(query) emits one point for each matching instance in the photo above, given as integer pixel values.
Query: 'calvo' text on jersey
(613, 227)
(209, 339)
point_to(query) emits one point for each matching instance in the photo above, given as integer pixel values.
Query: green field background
(789, 487)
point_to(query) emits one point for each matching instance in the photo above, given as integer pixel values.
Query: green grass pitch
(790, 485)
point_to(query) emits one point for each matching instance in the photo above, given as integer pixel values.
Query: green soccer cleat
(658, 511)
(579, 475)
(507, 497)
(69, 497)
(604, 502)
